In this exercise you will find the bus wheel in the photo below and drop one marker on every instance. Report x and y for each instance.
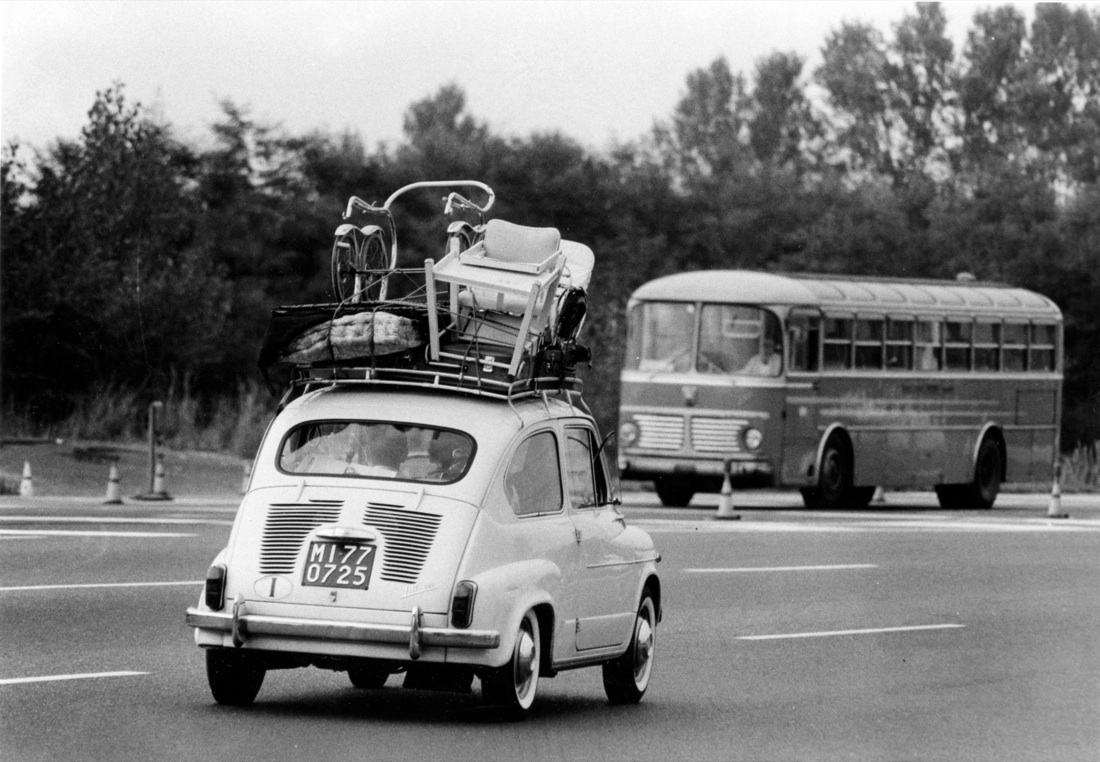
(987, 473)
(982, 492)
(860, 497)
(674, 493)
(834, 482)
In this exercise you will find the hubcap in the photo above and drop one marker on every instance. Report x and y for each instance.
(987, 469)
(644, 650)
(831, 476)
(525, 662)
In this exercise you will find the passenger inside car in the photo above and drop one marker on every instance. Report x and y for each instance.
(449, 453)
(384, 450)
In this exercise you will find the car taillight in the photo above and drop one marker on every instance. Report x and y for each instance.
(215, 587)
(462, 607)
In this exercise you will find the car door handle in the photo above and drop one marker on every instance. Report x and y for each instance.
(577, 533)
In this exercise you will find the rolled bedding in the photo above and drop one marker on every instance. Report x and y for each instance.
(362, 334)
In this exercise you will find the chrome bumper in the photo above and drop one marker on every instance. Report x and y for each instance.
(416, 636)
(649, 466)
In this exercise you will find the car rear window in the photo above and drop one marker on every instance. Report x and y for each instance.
(377, 450)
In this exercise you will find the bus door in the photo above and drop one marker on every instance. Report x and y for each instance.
(801, 408)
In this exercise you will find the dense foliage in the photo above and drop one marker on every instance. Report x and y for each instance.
(132, 260)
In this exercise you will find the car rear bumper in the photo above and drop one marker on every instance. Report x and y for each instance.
(414, 635)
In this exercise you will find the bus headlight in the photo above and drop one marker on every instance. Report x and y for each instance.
(752, 438)
(628, 433)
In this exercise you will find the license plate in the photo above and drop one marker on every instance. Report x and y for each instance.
(339, 564)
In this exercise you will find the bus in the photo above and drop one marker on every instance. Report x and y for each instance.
(837, 385)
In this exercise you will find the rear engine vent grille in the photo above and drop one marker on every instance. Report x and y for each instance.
(409, 536)
(287, 526)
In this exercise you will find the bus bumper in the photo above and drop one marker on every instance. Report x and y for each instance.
(651, 466)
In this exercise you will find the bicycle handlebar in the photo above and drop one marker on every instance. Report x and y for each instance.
(452, 200)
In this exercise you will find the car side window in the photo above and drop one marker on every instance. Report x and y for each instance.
(532, 482)
(585, 484)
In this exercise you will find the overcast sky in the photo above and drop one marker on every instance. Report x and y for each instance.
(598, 71)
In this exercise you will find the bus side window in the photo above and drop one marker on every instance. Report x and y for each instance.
(957, 335)
(899, 345)
(928, 345)
(838, 343)
(1014, 343)
(805, 331)
(987, 342)
(869, 334)
(1042, 348)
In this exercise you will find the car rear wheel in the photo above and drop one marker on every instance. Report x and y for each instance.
(235, 677)
(626, 678)
(513, 686)
(368, 677)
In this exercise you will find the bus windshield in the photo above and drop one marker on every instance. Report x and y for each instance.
(732, 339)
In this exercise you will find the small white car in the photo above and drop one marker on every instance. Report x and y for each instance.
(439, 534)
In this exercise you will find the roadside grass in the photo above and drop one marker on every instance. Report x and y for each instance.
(230, 423)
(1081, 468)
(207, 444)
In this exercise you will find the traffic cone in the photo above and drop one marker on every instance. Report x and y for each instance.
(1054, 511)
(725, 498)
(879, 498)
(114, 491)
(26, 486)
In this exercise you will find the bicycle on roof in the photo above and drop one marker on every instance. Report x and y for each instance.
(362, 263)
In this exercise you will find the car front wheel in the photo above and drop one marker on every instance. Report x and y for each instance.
(625, 679)
(513, 686)
(235, 678)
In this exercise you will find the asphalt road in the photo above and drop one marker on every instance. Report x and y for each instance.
(898, 632)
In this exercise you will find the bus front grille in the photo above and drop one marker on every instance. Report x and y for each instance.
(721, 435)
(660, 432)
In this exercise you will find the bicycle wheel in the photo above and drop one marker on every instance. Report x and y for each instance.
(360, 264)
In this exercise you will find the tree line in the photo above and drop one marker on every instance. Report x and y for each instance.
(132, 259)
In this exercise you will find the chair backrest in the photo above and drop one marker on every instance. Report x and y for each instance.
(579, 261)
(508, 242)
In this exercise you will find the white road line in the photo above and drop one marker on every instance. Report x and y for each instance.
(873, 631)
(49, 678)
(89, 533)
(109, 520)
(739, 569)
(86, 585)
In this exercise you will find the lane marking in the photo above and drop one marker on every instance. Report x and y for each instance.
(873, 631)
(88, 533)
(109, 520)
(739, 569)
(88, 585)
(653, 526)
(50, 678)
